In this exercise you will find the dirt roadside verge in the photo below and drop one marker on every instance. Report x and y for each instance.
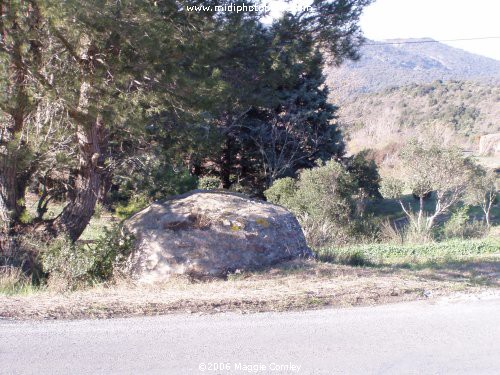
(298, 285)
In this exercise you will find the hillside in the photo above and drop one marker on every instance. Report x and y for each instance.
(455, 111)
(387, 65)
(405, 90)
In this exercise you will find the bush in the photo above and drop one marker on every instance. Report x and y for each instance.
(459, 226)
(416, 231)
(455, 226)
(135, 204)
(64, 260)
(391, 188)
(83, 264)
(390, 233)
(344, 256)
(325, 192)
(282, 192)
(323, 199)
(476, 229)
(111, 251)
(319, 233)
(99, 210)
(156, 181)
(21, 252)
(208, 183)
(242, 189)
(365, 172)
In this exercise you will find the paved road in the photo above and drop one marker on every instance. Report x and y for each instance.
(448, 337)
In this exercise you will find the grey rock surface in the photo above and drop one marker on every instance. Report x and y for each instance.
(211, 233)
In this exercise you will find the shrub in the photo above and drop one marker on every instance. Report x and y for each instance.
(111, 251)
(167, 181)
(390, 233)
(64, 260)
(344, 256)
(416, 230)
(157, 180)
(208, 183)
(323, 200)
(476, 229)
(282, 192)
(25, 217)
(325, 192)
(455, 226)
(135, 204)
(412, 232)
(83, 264)
(21, 252)
(99, 210)
(459, 226)
(319, 233)
(240, 188)
(391, 188)
(365, 172)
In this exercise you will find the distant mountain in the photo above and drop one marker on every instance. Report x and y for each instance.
(391, 65)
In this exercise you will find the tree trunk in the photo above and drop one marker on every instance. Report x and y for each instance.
(13, 182)
(77, 213)
(487, 212)
(420, 211)
(10, 198)
(225, 165)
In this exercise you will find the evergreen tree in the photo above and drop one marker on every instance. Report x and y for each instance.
(283, 121)
(102, 68)
(94, 92)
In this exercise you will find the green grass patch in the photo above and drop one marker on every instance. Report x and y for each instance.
(97, 227)
(380, 254)
(391, 208)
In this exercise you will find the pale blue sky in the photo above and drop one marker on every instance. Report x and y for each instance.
(437, 19)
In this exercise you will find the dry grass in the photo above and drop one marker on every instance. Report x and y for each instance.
(14, 282)
(295, 285)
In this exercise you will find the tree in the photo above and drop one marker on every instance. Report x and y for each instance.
(334, 27)
(119, 57)
(280, 120)
(20, 62)
(299, 130)
(483, 191)
(424, 169)
(94, 90)
(365, 173)
(104, 72)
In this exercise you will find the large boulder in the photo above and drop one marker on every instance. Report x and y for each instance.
(211, 233)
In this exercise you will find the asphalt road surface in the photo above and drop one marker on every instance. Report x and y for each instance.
(445, 337)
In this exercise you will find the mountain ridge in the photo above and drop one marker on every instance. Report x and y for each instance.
(387, 63)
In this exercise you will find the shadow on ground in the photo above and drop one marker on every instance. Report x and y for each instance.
(474, 271)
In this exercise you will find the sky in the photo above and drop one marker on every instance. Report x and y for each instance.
(436, 19)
